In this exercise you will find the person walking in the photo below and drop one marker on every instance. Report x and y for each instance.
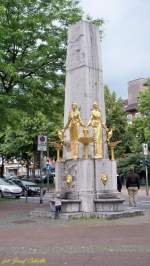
(119, 183)
(132, 185)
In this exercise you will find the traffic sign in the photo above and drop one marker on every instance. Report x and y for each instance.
(1, 161)
(42, 143)
(145, 149)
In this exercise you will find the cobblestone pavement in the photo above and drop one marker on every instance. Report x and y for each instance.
(92, 242)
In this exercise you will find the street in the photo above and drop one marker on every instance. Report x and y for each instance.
(25, 240)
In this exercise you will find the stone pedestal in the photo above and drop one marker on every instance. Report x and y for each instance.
(86, 185)
(68, 206)
(109, 205)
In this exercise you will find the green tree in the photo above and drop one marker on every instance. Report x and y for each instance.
(116, 119)
(144, 109)
(135, 136)
(33, 51)
(139, 131)
(21, 143)
(32, 64)
(33, 42)
(134, 160)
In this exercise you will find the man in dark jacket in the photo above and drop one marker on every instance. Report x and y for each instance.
(119, 183)
(132, 185)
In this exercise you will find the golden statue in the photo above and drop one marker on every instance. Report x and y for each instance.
(74, 123)
(60, 134)
(96, 123)
(109, 133)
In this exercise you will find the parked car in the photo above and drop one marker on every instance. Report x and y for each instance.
(9, 176)
(34, 179)
(28, 187)
(8, 189)
(22, 177)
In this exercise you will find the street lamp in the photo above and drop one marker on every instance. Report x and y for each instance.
(145, 151)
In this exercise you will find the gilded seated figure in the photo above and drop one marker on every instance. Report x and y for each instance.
(74, 123)
(96, 123)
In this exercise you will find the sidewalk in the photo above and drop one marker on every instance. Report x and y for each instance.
(83, 242)
(143, 201)
(141, 192)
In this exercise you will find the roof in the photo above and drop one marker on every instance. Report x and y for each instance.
(131, 107)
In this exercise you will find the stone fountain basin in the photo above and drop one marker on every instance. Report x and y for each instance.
(68, 205)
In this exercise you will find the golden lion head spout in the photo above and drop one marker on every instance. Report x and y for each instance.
(69, 179)
(104, 179)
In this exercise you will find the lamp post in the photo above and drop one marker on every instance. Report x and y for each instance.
(145, 151)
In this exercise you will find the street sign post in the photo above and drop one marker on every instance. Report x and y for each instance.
(42, 143)
(1, 161)
(145, 151)
(41, 146)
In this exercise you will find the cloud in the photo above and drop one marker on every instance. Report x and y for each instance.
(125, 45)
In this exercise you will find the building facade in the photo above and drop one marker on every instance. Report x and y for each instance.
(130, 104)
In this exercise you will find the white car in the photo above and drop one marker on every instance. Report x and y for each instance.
(8, 189)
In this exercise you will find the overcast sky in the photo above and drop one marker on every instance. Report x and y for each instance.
(126, 41)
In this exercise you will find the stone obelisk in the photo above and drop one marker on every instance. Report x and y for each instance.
(82, 178)
(84, 79)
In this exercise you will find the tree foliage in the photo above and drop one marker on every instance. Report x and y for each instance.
(135, 136)
(139, 131)
(132, 160)
(33, 42)
(116, 119)
(33, 37)
(32, 63)
(144, 109)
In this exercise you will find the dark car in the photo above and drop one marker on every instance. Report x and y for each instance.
(35, 179)
(28, 187)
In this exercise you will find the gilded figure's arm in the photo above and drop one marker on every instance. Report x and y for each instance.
(81, 122)
(68, 123)
(60, 134)
(90, 121)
